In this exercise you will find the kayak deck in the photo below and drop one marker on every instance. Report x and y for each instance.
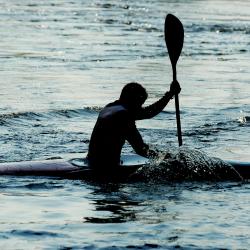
(46, 167)
(72, 168)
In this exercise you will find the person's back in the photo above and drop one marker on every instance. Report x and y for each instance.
(108, 136)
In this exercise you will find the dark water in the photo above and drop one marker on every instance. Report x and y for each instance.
(61, 61)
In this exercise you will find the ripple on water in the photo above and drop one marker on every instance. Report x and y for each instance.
(33, 233)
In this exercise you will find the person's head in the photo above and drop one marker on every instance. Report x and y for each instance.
(133, 95)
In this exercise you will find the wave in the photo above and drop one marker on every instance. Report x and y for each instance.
(219, 28)
(33, 233)
(40, 115)
(208, 129)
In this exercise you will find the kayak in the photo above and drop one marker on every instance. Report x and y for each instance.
(79, 167)
(73, 168)
(243, 168)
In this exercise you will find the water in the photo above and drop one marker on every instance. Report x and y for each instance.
(61, 61)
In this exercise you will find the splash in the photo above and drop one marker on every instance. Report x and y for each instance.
(185, 164)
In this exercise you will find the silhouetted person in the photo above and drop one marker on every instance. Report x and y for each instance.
(116, 124)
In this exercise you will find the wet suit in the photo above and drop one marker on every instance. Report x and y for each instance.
(115, 125)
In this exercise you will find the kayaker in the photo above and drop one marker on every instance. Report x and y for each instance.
(116, 124)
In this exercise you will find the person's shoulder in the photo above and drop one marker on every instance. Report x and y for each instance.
(114, 110)
(115, 103)
(117, 107)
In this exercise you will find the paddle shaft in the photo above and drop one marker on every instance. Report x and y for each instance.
(177, 108)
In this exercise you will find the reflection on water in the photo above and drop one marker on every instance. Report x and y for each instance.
(161, 215)
(73, 214)
(120, 209)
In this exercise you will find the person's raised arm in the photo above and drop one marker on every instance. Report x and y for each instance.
(155, 108)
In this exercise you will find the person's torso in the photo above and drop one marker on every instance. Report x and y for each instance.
(109, 135)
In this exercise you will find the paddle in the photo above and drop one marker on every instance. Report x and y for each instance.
(174, 37)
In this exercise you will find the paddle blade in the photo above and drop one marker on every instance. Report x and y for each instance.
(174, 37)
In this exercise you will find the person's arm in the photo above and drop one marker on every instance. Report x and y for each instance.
(135, 140)
(155, 108)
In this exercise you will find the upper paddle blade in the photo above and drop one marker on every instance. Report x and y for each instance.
(174, 37)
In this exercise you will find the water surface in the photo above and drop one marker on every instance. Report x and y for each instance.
(61, 61)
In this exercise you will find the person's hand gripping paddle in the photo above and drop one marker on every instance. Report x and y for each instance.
(174, 37)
